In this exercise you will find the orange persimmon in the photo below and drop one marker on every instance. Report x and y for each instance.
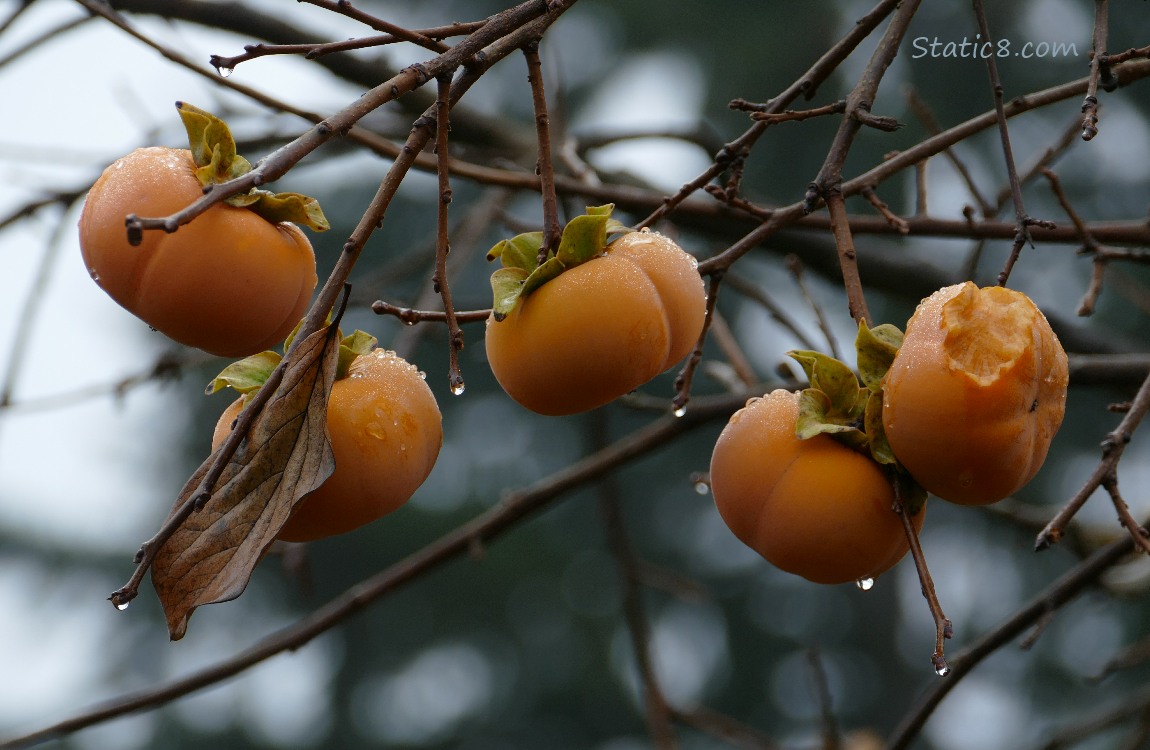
(975, 394)
(230, 282)
(814, 507)
(600, 328)
(385, 430)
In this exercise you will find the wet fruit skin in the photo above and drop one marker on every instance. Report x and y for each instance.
(814, 507)
(600, 329)
(229, 282)
(386, 432)
(975, 394)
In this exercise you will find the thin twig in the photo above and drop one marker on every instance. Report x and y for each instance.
(798, 273)
(1112, 448)
(443, 241)
(1058, 593)
(1136, 530)
(687, 374)
(412, 316)
(1024, 220)
(507, 514)
(657, 712)
(1097, 61)
(805, 85)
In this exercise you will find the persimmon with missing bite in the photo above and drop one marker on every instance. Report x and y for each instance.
(814, 507)
(600, 328)
(385, 430)
(975, 394)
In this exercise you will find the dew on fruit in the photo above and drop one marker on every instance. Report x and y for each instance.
(422, 375)
(865, 584)
(375, 430)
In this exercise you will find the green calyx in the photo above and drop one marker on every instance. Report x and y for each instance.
(849, 407)
(214, 154)
(250, 373)
(584, 238)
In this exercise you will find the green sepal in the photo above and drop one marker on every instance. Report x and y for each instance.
(876, 348)
(246, 375)
(277, 207)
(521, 251)
(876, 434)
(583, 238)
(506, 285)
(212, 146)
(214, 155)
(834, 379)
(352, 347)
(817, 417)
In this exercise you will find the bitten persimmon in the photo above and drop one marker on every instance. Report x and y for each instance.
(975, 394)
(814, 507)
(230, 282)
(600, 328)
(386, 431)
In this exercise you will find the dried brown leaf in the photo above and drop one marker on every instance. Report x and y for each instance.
(211, 555)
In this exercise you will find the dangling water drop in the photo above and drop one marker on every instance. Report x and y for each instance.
(224, 71)
(942, 670)
(122, 605)
(865, 584)
(680, 411)
(457, 388)
(702, 487)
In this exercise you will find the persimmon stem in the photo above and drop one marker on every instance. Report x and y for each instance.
(546, 166)
(942, 625)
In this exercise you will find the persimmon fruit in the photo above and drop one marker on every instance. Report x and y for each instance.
(601, 328)
(975, 394)
(385, 430)
(814, 507)
(229, 282)
(234, 280)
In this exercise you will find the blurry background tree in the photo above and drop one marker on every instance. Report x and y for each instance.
(567, 583)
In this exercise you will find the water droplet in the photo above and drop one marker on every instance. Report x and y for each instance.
(457, 388)
(409, 321)
(702, 487)
(865, 584)
(224, 71)
(122, 605)
(680, 411)
(422, 375)
(375, 430)
(941, 669)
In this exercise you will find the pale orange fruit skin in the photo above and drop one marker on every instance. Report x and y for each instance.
(229, 282)
(600, 329)
(386, 431)
(814, 507)
(967, 441)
